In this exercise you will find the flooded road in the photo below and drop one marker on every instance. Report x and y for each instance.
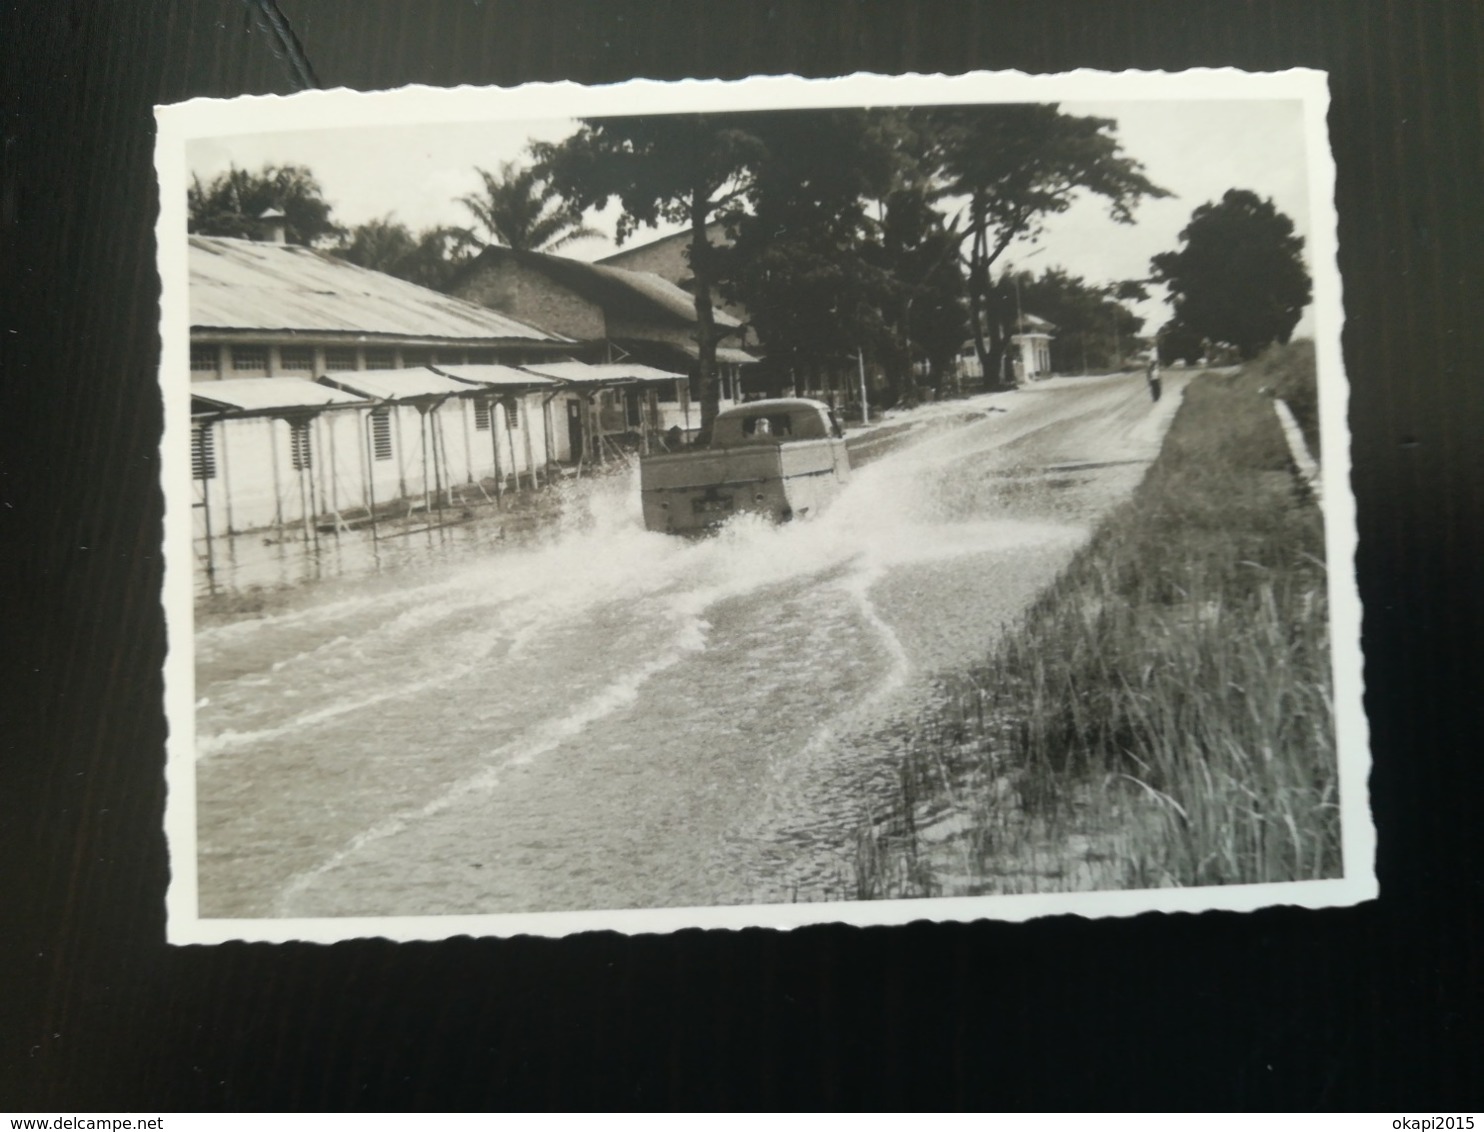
(611, 718)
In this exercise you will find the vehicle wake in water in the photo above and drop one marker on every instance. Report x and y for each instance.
(614, 718)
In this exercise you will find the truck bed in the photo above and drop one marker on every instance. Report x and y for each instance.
(688, 491)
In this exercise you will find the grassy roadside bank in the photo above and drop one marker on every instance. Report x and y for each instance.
(1162, 714)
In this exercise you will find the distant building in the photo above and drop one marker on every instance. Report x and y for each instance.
(325, 394)
(263, 309)
(1034, 345)
(1029, 353)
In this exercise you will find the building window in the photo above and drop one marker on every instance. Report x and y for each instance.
(250, 359)
(339, 359)
(301, 453)
(203, 452)
(411, 359)
(203, 358)
(482, 415)
(481, 357)
(512, 413)
(667, 394)
(299, 359)
(381, 359)
(381, 434)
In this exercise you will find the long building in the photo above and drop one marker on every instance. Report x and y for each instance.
(326, 395)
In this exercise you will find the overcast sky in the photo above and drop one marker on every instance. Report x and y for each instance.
(1196, 149)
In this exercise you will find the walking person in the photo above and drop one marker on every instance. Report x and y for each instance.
(1151, 375)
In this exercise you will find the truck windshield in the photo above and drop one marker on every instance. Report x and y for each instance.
(776, 424)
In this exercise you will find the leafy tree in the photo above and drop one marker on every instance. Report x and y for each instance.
(519, 209)
(806, 258)
(841, 248)
(918, 247)
(921, 248)
(689, 169)
(430, 258)
(1239, 276)
(1016, 165)
(1177, 342)
(232, 203)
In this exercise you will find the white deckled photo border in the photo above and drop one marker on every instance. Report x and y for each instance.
(181, 124)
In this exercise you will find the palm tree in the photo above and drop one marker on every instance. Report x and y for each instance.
(431, 258)
(232, 204)
(519, 209)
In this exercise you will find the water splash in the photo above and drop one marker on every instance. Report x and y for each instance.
(528, 657)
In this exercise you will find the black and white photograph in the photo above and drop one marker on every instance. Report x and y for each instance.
(756, 504)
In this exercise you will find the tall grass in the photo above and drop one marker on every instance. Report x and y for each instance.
(1162, 715)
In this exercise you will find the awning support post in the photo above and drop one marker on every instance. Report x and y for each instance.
(206, 515)
(492, 406)
(277, 480)
(510, 443)
(371, 475)
(530, 451)
(548, 434)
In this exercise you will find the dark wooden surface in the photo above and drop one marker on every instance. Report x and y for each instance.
(1377, 1006)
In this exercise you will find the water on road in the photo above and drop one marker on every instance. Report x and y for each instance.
(610, 718)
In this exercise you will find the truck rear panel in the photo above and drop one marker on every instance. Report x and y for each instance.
(691, 491)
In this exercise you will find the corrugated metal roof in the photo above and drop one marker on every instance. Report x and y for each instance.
(266, 394)
(660, 291)
(728, 354)
(495, 375)
(396, 384)
(582, 373)
(247, 285)
(638, 294)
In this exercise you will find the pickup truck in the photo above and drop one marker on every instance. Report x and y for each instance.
(784, 459)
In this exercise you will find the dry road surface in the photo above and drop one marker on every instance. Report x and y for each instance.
(617, 719)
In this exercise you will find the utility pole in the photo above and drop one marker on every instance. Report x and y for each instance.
(860, 359)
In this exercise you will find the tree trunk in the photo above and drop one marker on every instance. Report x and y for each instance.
(903, 353)
(700, 266)
(978, 293)
(998, 343)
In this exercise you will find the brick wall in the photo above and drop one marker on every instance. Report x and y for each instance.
(669, 258)
(531, 297)
(666, 257)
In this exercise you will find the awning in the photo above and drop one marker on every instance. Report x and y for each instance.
(608, 373)
(505, 377)
(265, 396)
(728, 354)
(414, 384)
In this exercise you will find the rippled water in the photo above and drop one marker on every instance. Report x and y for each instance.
(614, 718)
